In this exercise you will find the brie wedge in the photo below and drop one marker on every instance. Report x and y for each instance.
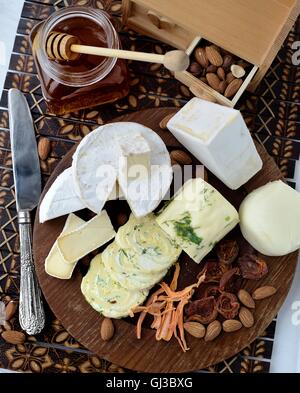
(219, 138)
(61, 198)
(55, 264)
(106, 295)
(87, 238)
(197, 218)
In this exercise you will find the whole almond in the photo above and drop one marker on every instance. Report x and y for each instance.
(263, 292)
(44, 147)
(213, 330)
(195, 329)
(246, 299)
(227, 61)
(10, 310)
(211, 68)
(107, 329)
(181, 157)
(246, 317)
(233, 87)
(214, 56)
(213, 80)
(163, 123)
(237, 71)
(201, 57)
(195, 69)
(222, 86)
(231, 325)
(229, 77)
(122, 218)
(221, 73)
(13, 337)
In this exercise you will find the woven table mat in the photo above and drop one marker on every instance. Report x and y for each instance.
(272, 115)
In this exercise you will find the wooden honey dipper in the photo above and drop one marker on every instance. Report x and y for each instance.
(61, 46)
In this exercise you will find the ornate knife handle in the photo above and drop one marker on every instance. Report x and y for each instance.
(31, 310)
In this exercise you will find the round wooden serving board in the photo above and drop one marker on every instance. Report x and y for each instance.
(148, 355)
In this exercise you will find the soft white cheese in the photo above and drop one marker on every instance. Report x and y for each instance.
(55, 264)
(197, 218)
(61, 198)
(270, 219)
(87, 238)
(219, 138)
(135, 153)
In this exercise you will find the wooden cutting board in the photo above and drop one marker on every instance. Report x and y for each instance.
(148, 355)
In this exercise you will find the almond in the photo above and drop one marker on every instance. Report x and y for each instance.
(213, 330)
(222, 86)
(107, 329)
(237, 71)
(213, 80)
(221, 73)
(233, 87)
(246, 299)
(195, 329)
(44, 147)
(181, 157)
(227, 61)
(122, 218)
(229, 77)
(195, 68)
(214, 56)
(263, 292)
(231, 325)
(201, 57)
(13, 337)
(211, 68)
(10, 310)
(163, 123)
(246, 317)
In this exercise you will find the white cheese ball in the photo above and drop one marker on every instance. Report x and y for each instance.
(270, 219)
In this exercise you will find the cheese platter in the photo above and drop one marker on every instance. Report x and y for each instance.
(166, 262)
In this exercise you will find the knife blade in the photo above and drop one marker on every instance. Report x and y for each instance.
(27, 181)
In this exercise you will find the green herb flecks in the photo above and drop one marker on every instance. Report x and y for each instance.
(184, 229)
(227, 218)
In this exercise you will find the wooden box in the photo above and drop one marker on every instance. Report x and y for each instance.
(251, 30)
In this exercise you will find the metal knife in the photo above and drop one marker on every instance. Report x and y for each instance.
(27, 179)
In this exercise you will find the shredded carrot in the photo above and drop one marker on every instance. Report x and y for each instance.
(167, 316)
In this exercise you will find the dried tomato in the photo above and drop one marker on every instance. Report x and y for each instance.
(227, 278)
(227, 251)
(214, 271)
(228, 305)
(252, 267)
(212, 290)
(205, 309)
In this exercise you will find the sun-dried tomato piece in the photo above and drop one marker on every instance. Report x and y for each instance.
(214, 270)
(246, 248)
(228, 305)
(212, 290)
(227, 251)
(227, 278)
(252, 267)
(205, 309)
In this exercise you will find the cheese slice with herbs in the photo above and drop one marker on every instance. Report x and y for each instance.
(55, 264)
(106, 295)
(197, 218)
(87, 238)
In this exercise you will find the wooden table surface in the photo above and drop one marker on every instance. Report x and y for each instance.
(272, 114)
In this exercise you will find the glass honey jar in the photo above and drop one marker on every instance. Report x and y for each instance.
(88, 81)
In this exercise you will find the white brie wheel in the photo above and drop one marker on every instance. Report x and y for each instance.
(96, 168)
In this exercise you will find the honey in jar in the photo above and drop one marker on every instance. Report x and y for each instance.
(88, 81)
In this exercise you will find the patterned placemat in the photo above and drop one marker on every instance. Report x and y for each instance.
(272, 114)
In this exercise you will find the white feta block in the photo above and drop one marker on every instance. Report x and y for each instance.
(219, 138)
